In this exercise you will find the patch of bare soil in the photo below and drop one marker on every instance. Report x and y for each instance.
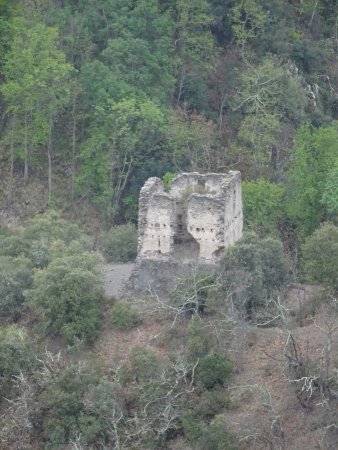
(114, 345)
(267, 413)
(114, 278)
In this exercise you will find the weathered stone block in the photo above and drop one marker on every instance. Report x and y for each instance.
(199, 217)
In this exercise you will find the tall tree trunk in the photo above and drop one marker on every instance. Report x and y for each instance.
(313, 13)
(49, 155)
(12, 161)
(181, 86)
(122, 178)
(25, 171)
(220, 114)
(73, 146)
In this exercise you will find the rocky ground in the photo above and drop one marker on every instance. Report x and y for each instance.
(115, 277)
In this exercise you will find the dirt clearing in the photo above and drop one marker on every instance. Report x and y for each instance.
(114, 278)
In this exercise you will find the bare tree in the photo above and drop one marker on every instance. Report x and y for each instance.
(188, 297)
(311, 378)
(268, 428)
(160, 404)
(327, 322)
(15, 421)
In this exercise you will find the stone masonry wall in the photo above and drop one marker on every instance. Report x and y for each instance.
(200, 211)
(156, 220)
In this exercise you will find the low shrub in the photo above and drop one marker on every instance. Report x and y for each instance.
(167, 179)
(198, 340)
(68, 295)
(213, 369)
(193, 426)
(211, 402)
(320, 252)
(35, 239)
(254, 269)
(124, 316)
(15, 277)
(63, 398)
(207, 436)
(16, 356)
(144, 364)
(120, 244)
(218, 437)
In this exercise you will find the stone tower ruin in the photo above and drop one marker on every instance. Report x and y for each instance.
(199, 216)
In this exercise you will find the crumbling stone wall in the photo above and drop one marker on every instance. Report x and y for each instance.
(156, 220)
(199, 217)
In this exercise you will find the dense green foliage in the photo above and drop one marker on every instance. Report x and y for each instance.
(213, 369)
(262, 201)
(321, 256)
(124, 316)
(16, 355)
(65, 288)
(15, 277)
(310, 176)
(254, 269)
(62, 407)
(67, 296)
(41, 237)
(120, 244)
(213, 436)
(106, 94)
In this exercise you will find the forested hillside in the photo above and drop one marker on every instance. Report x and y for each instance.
(96, 96)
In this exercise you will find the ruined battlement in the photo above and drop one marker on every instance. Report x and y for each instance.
(195, 220)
